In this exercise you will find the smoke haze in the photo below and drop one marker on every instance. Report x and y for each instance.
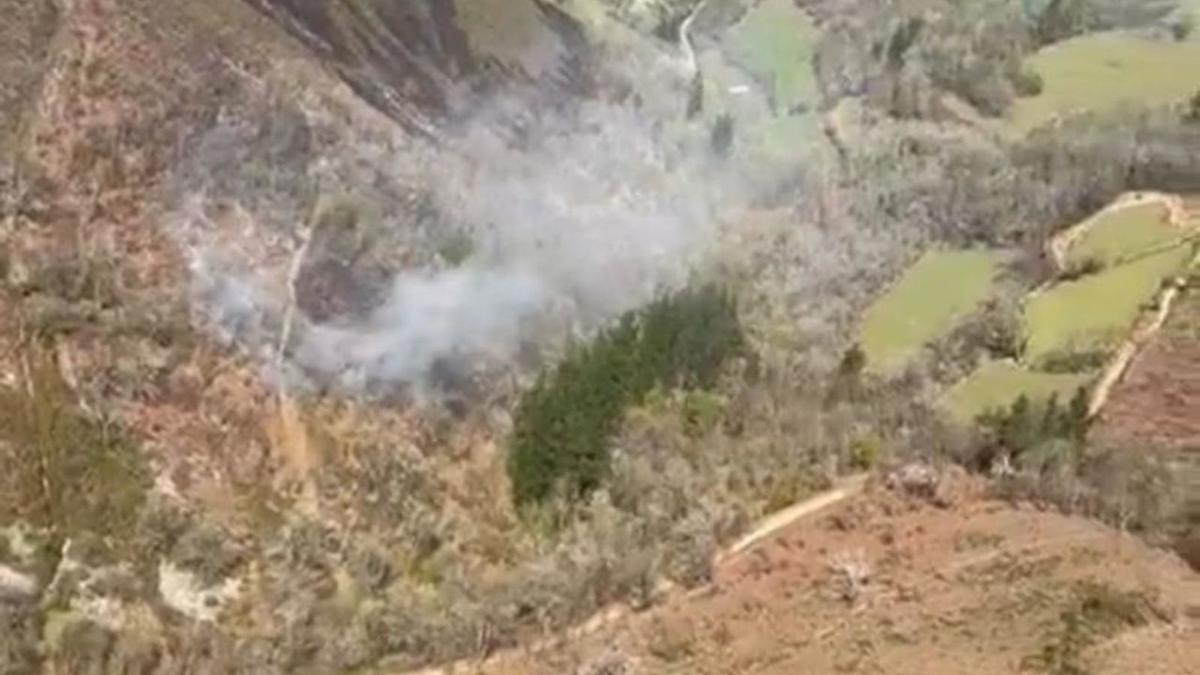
(576, 212)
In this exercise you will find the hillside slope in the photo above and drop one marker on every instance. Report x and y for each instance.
(276, 274)
(900, 584)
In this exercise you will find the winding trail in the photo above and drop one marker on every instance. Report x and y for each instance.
(1132, 345)
(846, 488)
(288, 432)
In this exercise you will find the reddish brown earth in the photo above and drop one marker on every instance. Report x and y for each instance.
(976, 586)
(1158, 400)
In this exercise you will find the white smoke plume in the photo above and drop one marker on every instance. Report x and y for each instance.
(576, 212)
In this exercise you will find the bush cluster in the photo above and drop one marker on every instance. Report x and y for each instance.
(1077, 269)
(1095, 613)
(564, 422)
(1072, 361)
(1063, 19)
(1024, 428)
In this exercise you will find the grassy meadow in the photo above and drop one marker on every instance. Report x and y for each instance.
(774, 41)
(1103, 71)
(1095, 312)
(1125, 233)
(942, 287)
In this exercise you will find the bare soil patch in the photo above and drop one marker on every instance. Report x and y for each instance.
(886, 582)
(1158, 400)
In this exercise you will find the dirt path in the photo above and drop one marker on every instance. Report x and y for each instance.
(846, 488)
(287, 431)
(1060, 243)
(1130, 347)
(968, 586)
(1147, 326)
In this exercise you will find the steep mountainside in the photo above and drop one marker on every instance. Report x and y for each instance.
(282, 280)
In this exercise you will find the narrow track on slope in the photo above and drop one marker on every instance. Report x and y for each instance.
(845, 489)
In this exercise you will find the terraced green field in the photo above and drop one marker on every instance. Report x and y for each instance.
(1096, 311)
(998, 384)
(942, 287)
(1124, 233)
(775, 41)
(1102, 71)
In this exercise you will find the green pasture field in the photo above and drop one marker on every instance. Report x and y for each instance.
(1124, 233)
(938, 290)
(1102, 71)
(1096, 311)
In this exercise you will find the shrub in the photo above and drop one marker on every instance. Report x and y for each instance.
(208, 553)
(564, 422)
(456, 247)
(993, 331)
(65, 469)
(721, 139)
(1028, 82)
(18, 637)
(1065, 18)
(1192, 115)
(695, 104)
(1069, 361)
(902, 39)
(852, 362)
(1023, 428)
(1081, 268)
(702, 411)
(1095, 613)
(672, 644)
(1183, 28)
(865, 452)
(851, 574)
(79, 276)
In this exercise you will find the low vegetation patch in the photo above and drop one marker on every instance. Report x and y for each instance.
(1095, 612)
(1071, 361)
(1032, 434)
(564, 423)
(64, 469)
(941, 288)
(1078, 268)
(998, 384)
(776, 41)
